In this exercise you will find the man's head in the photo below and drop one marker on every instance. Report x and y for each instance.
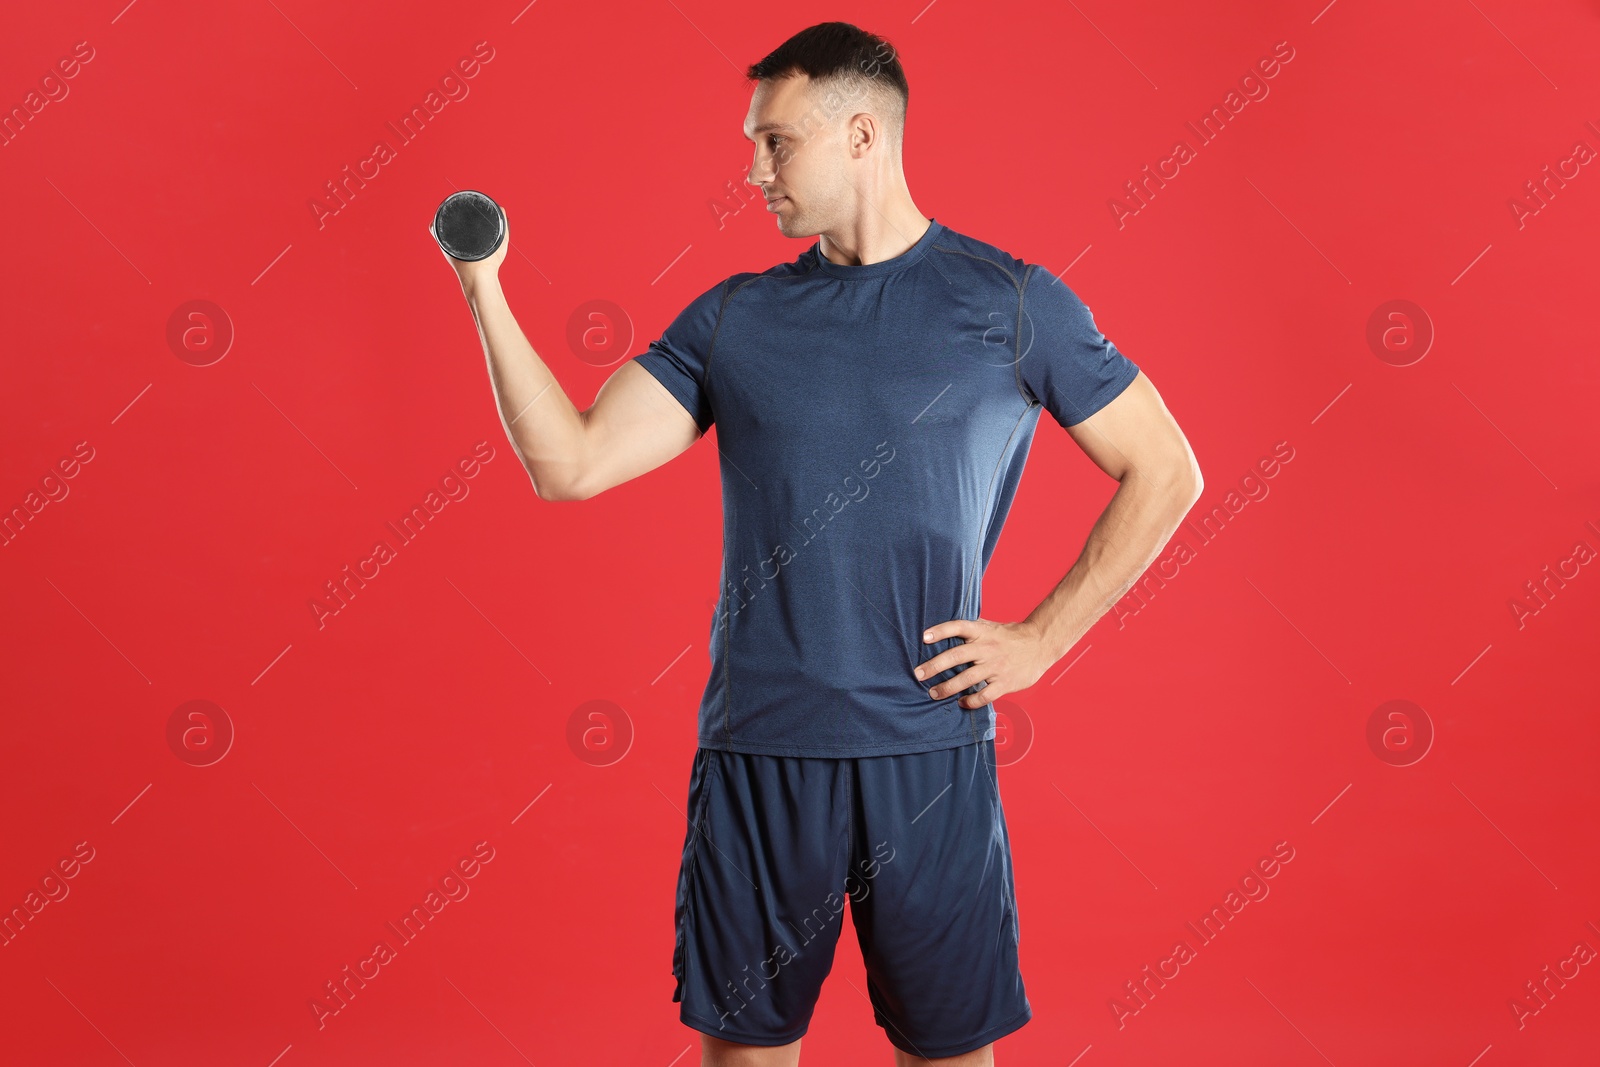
(828, 121)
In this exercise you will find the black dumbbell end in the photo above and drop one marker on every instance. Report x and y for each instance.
(469, 226)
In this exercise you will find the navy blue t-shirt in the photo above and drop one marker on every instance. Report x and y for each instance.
(873, 422)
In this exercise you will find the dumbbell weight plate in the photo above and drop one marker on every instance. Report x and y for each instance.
(469, 226)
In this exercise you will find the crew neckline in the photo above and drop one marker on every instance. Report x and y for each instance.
(883, 266)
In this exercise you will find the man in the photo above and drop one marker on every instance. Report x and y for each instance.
(875, 400)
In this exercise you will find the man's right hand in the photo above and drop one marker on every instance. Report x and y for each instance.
(634, 425)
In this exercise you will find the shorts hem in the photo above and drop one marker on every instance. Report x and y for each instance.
(694, 1022)
(994, 1033)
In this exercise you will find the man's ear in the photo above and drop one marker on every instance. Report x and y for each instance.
(864, 132)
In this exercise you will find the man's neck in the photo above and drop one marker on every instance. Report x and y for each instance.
(875, 237)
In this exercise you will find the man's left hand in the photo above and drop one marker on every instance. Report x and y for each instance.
(1009, 656)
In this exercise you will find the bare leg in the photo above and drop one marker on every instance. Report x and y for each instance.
(715, 1052)
(978, 1057)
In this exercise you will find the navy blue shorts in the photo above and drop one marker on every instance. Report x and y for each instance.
(917, 843)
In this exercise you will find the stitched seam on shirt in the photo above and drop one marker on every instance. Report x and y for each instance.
(705, 382)
(1022, 288)
(727, 628)
(988, 499)
(1016, 371)
(981, 259)
(1016, 364)
(727, 681)
(711, 352)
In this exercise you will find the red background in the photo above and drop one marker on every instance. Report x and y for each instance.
(372, 752)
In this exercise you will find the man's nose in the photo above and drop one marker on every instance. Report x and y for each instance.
(761, 170)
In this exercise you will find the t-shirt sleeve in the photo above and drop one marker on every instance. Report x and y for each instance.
(1068, 365)
(680, 357)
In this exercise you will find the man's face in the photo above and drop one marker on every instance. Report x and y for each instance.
(800, 156)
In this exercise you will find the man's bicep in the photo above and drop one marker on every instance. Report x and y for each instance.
(1136, 432)
(634, 426)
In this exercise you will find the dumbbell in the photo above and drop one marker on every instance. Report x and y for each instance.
(468, 226)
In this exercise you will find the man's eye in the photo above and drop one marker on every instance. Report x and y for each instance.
(773, 141)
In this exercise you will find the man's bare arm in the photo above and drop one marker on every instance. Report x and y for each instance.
(1135, 440)
(633, 426)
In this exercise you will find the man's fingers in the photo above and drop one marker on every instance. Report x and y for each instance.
(950, 657)
(971, 676)
(952, 628)
(987, 695)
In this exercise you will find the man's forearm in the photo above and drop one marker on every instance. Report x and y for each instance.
(544, 427)
(1135, 526)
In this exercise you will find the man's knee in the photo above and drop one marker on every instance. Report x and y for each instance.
(715, 1052)
(978, 1057)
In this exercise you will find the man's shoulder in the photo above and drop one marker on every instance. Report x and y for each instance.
(987, 262)
(798, 267)
(1042, 284)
